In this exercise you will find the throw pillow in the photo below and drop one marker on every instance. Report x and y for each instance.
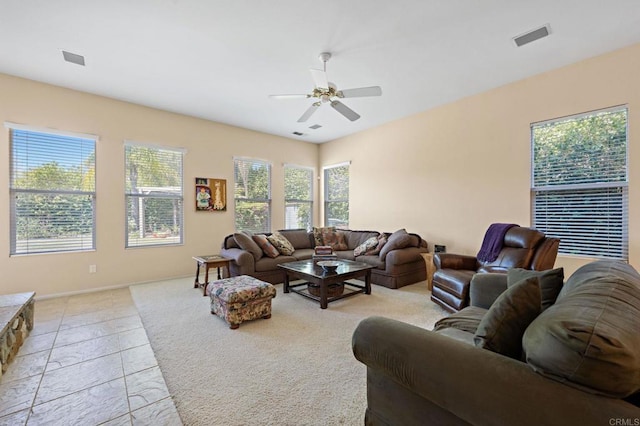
(281, 243)
(550, 282)
(334, 239)
(266, 246)
(317, 234)
(503, 326)
(245, 242)
(589, 338)
(369, 244)
(397, 240)
(382, 240)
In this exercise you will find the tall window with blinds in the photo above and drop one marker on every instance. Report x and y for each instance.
(52, 187)
(154, 195)
(252, 195)
(580, 183)
(298, 197)
(336, 196)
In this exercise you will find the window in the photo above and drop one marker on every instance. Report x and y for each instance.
(52, 191)
(298, 197)
(252, 195)
(579, 189)
(153, 180)
(336, 196)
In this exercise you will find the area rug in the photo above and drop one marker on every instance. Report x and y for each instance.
(296, 368)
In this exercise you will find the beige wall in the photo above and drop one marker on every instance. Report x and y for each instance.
(210, 149)
(446, 173)
(449, 172)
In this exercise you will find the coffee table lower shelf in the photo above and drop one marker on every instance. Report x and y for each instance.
(309, 272)
(350, 289)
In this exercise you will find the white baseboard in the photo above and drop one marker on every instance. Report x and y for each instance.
(95, 290)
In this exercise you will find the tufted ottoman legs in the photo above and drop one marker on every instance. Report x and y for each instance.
(240, 299)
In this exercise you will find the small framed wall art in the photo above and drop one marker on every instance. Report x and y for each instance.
(211, 195)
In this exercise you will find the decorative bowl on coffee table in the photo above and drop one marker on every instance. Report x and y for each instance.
(329, 265)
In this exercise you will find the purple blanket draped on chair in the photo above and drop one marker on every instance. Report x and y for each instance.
(492, 243)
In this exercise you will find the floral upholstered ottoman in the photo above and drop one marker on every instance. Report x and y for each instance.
(242, 298)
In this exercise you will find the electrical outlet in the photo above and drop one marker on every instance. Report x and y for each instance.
(92, 269)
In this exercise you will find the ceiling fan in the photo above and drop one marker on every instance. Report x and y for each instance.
(327, 92)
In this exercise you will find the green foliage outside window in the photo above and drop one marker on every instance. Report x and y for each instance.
(252, 193)
(579, 189)
(298, 195)
(336, 205)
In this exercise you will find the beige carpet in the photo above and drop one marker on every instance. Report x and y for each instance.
(296, 368)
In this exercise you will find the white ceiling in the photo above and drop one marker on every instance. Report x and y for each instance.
(219, 60)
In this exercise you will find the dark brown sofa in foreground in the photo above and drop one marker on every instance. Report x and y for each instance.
(523, 248)
(578, 362)
(397, 268)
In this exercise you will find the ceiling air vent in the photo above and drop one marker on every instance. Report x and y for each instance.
(315, 126)
(73, 58)
(298, 134)
(533, 35)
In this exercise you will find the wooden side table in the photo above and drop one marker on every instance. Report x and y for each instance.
(431, 268)
(209, 261)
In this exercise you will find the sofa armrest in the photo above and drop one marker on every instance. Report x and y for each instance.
(242, 258)
(404, 255)
(476, 385)
(485, 289)
(455, 261)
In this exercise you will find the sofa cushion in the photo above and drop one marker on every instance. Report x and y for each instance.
(299, 238)
(303, 254)
(550, 282)
(369, 244)
(267, 248)
(334, 239)
(356, 238)
(467, 320)
(397, 240)
(373, 260)
(382, 240)
(589, 338)
(501, 329)
(281, 243)
(244, 240)
(268, 264)
(317, 234)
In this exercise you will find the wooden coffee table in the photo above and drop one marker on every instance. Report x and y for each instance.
(209, 261)
(314, 274)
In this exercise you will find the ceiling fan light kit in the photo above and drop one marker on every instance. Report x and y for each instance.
(327, 92)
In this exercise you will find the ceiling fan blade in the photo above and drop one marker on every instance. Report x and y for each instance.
(345, 110)
(289, 96)
(320, 78)
(360, 92)
(309, 112)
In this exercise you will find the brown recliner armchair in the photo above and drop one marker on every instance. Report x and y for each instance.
(522, 248)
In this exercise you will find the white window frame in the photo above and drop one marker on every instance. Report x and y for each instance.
(174, 192)
(309, 201)
(328, 201)
(597, 224)
(34, 245)
(243, 199)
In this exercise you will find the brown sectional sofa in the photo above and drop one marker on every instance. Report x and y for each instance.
(401, 267)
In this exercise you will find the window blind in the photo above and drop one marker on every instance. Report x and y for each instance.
(252, 195)
(154, 195)
(579, 189)
(52, 187)
(298, 194)
(336, 196)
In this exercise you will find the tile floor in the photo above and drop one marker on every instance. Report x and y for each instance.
(86, 362)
